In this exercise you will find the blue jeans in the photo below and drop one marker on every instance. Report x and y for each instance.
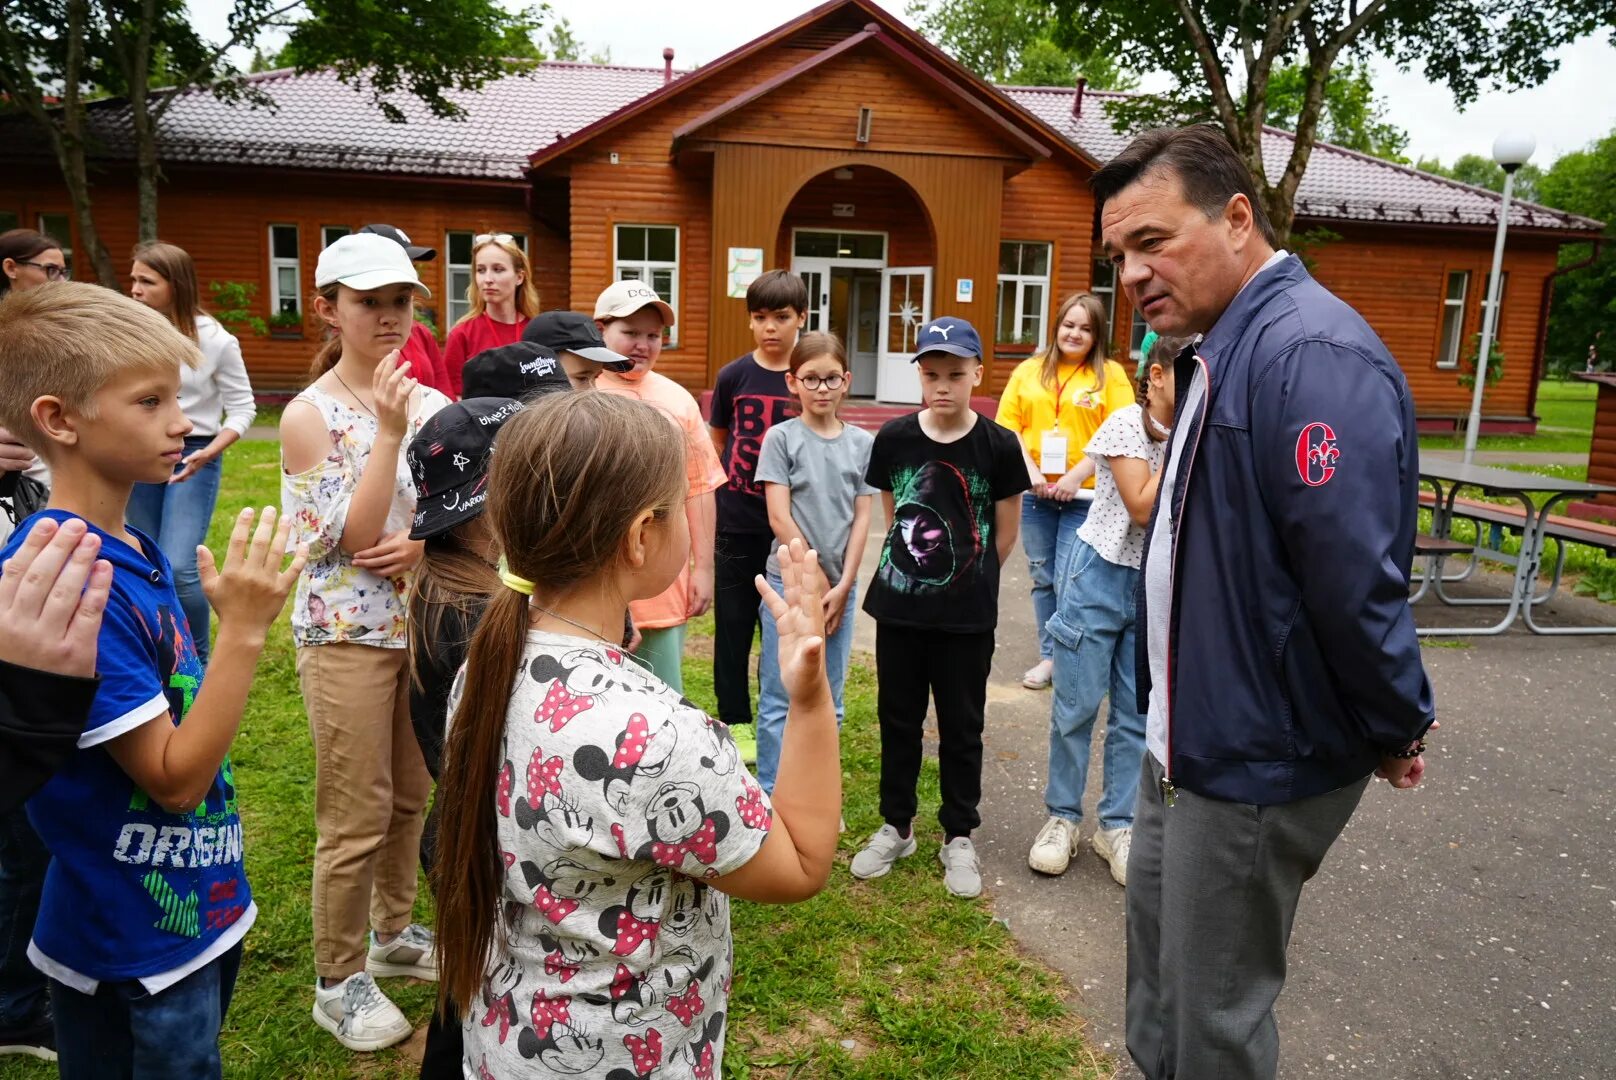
(177, 517)
(1048, 529)
(23, 860)
(772, 700)
(1093, 630)
(124, 1033)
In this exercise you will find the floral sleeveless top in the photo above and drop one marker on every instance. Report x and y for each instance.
(337, 601)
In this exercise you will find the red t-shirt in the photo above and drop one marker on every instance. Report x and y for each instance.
(471, 337)
(426, 362)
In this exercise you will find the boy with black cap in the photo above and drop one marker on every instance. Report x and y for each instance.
(575, 341)
(521, 370)
(952, 484)
(421, 349)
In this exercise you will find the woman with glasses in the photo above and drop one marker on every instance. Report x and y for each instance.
(176, 514)
(502, 298)
(29, 258)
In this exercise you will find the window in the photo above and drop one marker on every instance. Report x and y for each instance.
(650, 253)
(1481, 305)
(1453, 306)
(1103, 283)
(9, 220)
(59, 227)
(1136, 336)
(285, 274)
(1023, 293)
(330, 234)
(841, 246)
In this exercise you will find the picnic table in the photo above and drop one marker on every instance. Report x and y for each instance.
(1536, 525)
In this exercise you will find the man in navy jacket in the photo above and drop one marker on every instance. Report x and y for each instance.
(1278, 659)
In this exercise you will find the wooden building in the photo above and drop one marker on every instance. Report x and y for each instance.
(842, 145)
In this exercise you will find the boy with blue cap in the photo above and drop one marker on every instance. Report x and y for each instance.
(951, 482)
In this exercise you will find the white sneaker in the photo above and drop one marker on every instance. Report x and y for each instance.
(885, 848)
(1113, 845)
(414, 952)
(1039, 676)
(961, 875)
(359, 1014)
(1054, 846)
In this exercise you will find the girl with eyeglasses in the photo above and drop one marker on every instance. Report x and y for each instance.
(812, 471)
(502, 298)
(29, 258)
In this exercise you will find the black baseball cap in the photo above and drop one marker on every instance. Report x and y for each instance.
(521, 370)
(402, 239)
(574, 332)
(449, 459)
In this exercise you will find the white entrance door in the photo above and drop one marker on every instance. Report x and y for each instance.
(815, 273)
(905, 308)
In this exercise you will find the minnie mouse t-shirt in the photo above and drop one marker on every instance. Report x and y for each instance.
(617, 798)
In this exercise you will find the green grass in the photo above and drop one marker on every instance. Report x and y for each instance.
(1566, 405)
(1566, 423)
(923, 984)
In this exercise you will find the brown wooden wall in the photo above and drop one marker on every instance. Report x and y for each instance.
(881, 203)
(222, 218)
(1602, 455)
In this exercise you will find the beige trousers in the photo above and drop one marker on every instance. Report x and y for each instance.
(370, 788)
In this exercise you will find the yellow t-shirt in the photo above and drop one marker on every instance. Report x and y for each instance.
(1074, 406)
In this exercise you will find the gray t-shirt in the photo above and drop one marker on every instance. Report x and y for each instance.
(824, 476)
(1159, 577)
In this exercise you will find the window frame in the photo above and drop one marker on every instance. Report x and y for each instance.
(64, 236)
(842, 260)
(1447, 357)
(1107, 293)
(1020, 282)
(326, 239)
(1481, 304)
(278, 263)
(646, 268)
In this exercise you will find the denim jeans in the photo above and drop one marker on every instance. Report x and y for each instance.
(23, 860)
(772, 700)
(177, 517)
(1048, 529)
(1093, 630)
(124, 1033)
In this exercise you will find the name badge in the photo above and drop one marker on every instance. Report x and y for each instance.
(1052, 453)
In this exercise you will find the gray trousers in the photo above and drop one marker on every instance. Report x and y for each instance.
(1212, 893)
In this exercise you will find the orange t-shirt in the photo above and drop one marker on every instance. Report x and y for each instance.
(702, 468)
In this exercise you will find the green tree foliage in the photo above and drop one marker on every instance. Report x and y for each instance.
(1354, 115)
(1584, 311)
(1223, 56)
(1007, 41)
(1484, 172)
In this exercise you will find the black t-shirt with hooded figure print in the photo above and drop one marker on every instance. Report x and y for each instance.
(939, 565)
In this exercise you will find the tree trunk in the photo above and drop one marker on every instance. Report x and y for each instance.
(138, 69)
(70, 148)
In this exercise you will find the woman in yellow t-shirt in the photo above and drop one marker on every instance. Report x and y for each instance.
(1055, 401)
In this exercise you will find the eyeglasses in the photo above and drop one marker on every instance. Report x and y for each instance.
(51, 271)
(493, 238)
(829, 382)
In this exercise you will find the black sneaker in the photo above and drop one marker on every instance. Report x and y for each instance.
(37, 1040)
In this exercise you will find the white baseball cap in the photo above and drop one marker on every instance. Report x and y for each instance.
(366, 261)
(624, 298)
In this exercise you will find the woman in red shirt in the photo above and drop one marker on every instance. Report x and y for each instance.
(502, 297)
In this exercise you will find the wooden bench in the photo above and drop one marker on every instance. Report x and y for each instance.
(1425, 544)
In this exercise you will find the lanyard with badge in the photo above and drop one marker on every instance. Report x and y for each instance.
(1052, 446)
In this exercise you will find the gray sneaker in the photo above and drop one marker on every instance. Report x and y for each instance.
(359, 1014)
(960, 873)
(885, 848)
(413, 952)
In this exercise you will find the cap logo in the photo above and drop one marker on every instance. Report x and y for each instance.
(542, 365)
(940, 329)
(404, 236)
(640, 292)
(460, 461)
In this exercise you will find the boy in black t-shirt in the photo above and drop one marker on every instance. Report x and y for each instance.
(952, 484)
(749, 397)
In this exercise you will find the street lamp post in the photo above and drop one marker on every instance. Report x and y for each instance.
(1510, 150)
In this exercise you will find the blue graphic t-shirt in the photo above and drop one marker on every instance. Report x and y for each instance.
(133, 891)
(939, 567)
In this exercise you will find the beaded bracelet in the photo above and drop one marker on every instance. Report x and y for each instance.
(1412, 751)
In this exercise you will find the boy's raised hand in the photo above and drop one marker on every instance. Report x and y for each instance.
(799, 618)
(49, 617)
(391, 386)
(251, 588)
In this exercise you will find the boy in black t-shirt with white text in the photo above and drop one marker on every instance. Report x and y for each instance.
(952, 484)
(749, 397)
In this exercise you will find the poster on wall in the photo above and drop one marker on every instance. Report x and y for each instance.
(745, 264)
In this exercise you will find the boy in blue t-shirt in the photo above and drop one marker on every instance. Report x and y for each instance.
(145, 902)
(749, 397)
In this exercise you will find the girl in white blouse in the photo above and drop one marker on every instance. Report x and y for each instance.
(1093, 628)
(176, 514)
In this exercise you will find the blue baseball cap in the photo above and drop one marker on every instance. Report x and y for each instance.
(948, 334)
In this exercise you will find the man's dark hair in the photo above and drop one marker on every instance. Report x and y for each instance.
(1202, 159)
(775, 290)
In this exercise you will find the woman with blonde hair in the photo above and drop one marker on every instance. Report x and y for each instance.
(502, 296)
(1055, 401)
(177, 514)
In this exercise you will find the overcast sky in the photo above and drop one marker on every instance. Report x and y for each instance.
(1572, 109)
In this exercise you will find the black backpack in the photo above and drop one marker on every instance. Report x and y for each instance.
(21, 496)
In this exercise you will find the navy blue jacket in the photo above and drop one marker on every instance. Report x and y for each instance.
(1292, 663)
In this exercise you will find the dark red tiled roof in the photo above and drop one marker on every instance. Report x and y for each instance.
(318, 122)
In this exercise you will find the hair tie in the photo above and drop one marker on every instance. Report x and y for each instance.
(514, 582)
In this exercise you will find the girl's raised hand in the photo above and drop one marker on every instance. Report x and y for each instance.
(799, 618)
(250, 589)
(391, 386)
